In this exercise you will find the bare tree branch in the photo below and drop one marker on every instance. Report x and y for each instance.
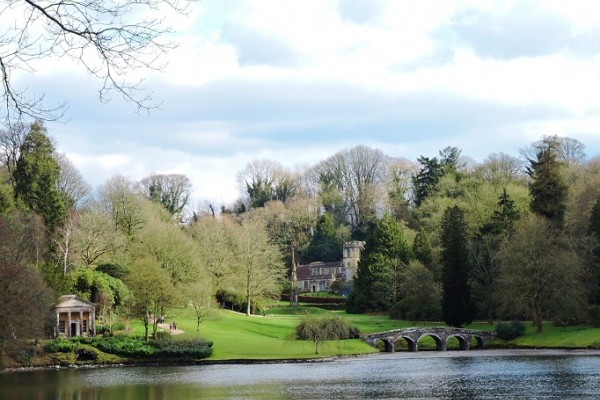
(109, 38)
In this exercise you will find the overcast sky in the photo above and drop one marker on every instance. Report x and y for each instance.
(296, 81)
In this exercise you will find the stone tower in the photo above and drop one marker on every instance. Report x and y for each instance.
(351, 255)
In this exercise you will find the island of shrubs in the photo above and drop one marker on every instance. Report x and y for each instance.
(134, 347)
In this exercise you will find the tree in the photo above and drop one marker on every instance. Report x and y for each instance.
(108, 40)
(199, 296)
(326, 244)
(420, 294)
(152, 291)
(355, 174)
(457, 307)
(258, 262)
(594, 231)
(172, 191)
(425, 182)
(11, 140)
(36, 177)
(422, 250)
(266, 180)
(500, 169)
(385, 255)
(25, 303)
(73, 189)
(540, 273)
(97, 240)
(548, 189)
(119, 200)
(568, 150)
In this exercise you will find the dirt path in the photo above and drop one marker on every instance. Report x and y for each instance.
(173, 331)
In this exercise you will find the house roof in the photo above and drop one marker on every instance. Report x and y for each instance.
(70, 301)
(303, 271)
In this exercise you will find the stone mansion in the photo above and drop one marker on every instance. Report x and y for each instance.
(318, 276)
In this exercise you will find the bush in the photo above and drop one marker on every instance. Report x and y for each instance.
(181, 348)
(320, 328)
(510, 330)
(128, 346)
(60, 346)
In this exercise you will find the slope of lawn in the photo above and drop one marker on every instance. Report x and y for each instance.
(237, 336)
(240, 337)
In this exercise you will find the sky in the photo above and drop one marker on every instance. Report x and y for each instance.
(296, 81)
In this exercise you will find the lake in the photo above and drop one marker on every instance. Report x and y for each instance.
(483, 374)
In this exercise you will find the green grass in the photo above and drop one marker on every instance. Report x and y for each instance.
(240, 337)
(237, 336)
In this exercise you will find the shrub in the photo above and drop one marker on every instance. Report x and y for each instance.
(510, 330)
(181, 348)
(60, 346)
(128, 346)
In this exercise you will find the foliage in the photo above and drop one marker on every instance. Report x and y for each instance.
(326, 243)
(548, 189)
(510, 330)
(187, 349)
(541, 274)
(422, 250)
(36, 176)
(385, 255)
(426, 181)
(258, 264)
(457, 308)
(152, 292)
(60, 345)
(420, 295)
(25, 303)
(320, 328)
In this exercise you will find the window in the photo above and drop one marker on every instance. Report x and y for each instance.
(61, 326)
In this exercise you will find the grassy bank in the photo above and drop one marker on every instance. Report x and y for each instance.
(239, 337)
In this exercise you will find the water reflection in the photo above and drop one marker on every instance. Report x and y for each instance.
(451, 376)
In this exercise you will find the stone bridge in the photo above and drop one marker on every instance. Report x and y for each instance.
(439, 334)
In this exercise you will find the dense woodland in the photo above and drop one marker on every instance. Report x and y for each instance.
(447, 238)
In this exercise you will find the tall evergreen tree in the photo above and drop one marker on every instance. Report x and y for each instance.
(385, 255)
(36, 176)
(594, 231)
(426, 181)
(548, 188)
(457, 308)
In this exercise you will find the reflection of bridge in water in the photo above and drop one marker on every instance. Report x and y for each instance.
(439, 334)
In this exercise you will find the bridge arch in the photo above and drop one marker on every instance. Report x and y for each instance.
(387, 345)
(463, 342)
(480, 342)
(410, 342)
(440, 344)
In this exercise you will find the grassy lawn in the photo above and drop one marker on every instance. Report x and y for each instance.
(238, 337)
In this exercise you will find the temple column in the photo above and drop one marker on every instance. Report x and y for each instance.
(80, 322)
(68, 327)
(57, 333)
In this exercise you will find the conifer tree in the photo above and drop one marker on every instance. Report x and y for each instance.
(385, 255)
(548, 189)
(457, 307)
(36, 176)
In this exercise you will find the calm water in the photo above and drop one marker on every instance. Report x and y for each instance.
(451, 375)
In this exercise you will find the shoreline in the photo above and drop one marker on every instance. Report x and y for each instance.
(539, 352)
